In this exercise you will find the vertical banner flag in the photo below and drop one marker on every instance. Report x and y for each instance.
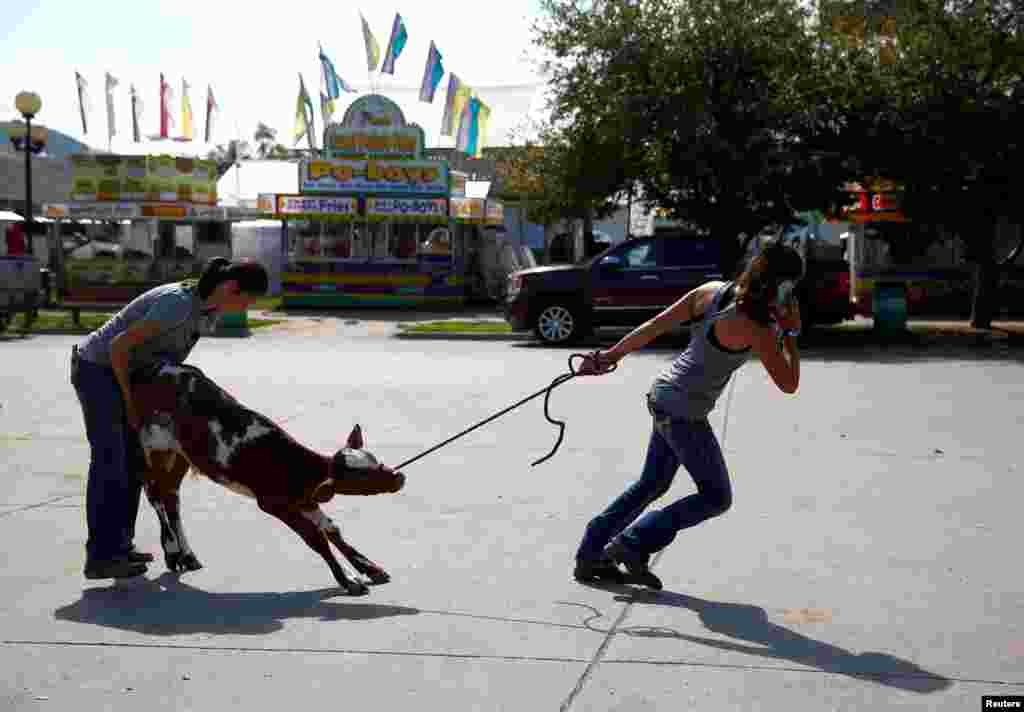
(372, 48)
(211, 107)
(303, 115)
(465, 120)
(186, 113)
(395, 45)
(111, 123)
(166, 99)
(460, 105)
(432, 74)
(136, 115)
(330, 87)
(479, 135)
(448, 120)
(83, 100)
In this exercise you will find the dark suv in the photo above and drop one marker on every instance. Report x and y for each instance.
(625, 285)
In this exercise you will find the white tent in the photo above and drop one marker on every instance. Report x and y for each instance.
(260, 240)
(246, 180)
(8, 216)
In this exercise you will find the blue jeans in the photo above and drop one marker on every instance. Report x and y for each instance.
(114, 487)
(691, 443)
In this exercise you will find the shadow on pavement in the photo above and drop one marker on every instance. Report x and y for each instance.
(750, 624)
(166, 606)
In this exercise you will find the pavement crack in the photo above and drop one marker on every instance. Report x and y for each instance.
(37, 505)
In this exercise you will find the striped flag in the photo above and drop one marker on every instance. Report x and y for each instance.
(83, 100)
(460, 106)
(211, 107)
(186, 113)
(472, 127)
(111, 122)
(481, 115)
(303, 115)
(136, 114)
(466, 119)
(372, 48)
(166, 98)
(432, 74)
(448, 120)
(395, 45)
(331, 86)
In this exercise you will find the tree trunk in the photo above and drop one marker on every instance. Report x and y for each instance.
(986, 278)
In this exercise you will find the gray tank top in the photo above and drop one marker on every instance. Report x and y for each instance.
(692, 384)
(172, 345)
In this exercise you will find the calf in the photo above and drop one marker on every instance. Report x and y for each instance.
(189, 422)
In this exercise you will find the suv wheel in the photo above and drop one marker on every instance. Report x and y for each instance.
(559, 323)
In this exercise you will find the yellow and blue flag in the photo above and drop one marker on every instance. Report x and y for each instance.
(303, 115)
(372, 48)
(333, 84)
(432, 74)
(395, 45)
(448, 120)
(474, 118)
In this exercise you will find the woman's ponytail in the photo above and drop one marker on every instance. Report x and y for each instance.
(212, 276)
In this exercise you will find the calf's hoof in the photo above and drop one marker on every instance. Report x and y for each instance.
(182, 563)
(355, 588)
(377, 576)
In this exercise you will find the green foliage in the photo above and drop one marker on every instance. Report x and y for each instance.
(710, 107)
(266, 148)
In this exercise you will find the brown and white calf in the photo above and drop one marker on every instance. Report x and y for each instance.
(189, 422)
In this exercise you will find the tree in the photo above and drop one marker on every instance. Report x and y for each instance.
(713, 102)
(229, 155)
(940, 116)
(267, 148)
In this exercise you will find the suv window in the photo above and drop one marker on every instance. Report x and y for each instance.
(641, 255)
(690, 252)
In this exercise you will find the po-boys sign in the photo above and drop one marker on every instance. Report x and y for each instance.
(353, 176)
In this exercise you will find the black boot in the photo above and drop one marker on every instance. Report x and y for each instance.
(118, 568)
(634, 563)
(598, 571)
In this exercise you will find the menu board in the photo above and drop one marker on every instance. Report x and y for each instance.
(105, 177)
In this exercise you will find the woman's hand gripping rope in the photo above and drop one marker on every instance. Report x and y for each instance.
(593, 364)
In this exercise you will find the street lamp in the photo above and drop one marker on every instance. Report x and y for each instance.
(28, 104)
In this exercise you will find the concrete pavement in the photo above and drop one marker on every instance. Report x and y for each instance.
(871, 559)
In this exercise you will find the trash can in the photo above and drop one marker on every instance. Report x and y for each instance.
(233, 324)
(890, 307)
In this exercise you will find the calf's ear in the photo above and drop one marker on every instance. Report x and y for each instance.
(355, 438)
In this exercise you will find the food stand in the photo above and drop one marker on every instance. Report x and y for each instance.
(132, 223)
(375, 223)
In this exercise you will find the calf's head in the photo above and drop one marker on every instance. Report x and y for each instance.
(356, 471)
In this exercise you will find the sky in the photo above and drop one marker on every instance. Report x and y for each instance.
(252, 53)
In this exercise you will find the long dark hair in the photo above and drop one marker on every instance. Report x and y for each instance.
(757, 286)
(251, 277)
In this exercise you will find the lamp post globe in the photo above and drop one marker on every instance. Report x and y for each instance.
(28, 103)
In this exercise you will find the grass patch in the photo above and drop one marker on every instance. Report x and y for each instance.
(260, 323)
(60, 321)
(458, 326)
(267, 304)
